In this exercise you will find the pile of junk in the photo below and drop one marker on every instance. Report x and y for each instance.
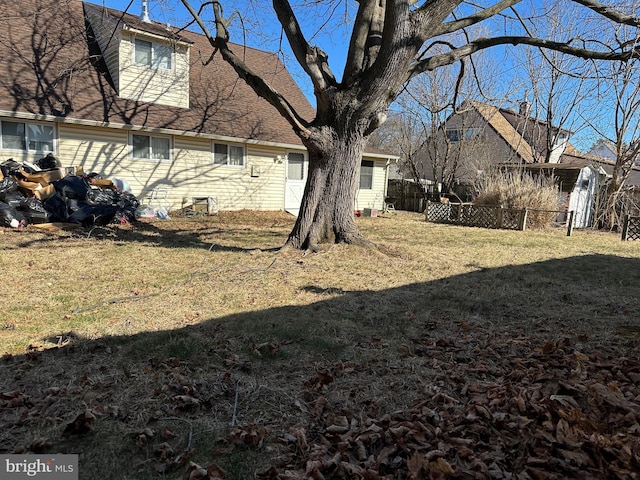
(43, 192)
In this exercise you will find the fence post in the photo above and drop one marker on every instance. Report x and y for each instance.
(625, 228)
(522, 225)
(499, 217)
(570, 223)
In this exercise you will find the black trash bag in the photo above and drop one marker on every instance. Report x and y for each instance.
(125, 216)
(57, 208)
(11, 217)
(128, 205)
(7, 185)
(73, 187)
(103, 196)
(10, 167)
(128, 200)
(34, 210)
(73, 205)
(88, 215)
(14, 199)
(47, 163)
(33, 204)
(121, 218)
(61, 208)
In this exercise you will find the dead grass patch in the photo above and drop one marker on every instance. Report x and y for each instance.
(197, 340)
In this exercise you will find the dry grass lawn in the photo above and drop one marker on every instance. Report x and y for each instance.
(154, 348)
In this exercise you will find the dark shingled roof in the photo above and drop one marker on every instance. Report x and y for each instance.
(50, 65)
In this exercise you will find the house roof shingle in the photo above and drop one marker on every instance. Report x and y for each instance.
(50, 66)
(525, 135)
(493, 116)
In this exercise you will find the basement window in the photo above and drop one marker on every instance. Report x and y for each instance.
(366, 175)
(147, 147)
(32, 137)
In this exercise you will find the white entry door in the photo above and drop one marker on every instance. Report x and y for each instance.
(297, 167)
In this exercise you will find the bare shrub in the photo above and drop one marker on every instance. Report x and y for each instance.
(520, 190)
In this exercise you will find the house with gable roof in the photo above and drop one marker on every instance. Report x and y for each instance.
(150, 105)
(603, 149)
(479, 137)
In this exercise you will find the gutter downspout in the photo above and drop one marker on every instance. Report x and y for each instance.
(386, 179)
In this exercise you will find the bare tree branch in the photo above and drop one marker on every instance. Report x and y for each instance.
(357, 44)
(482, 15)
(610, 13)
(312, 59)
(453, 56)
(257, 83)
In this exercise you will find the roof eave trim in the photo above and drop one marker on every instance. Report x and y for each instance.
(137, 128)
(168, 131)
(168, 38)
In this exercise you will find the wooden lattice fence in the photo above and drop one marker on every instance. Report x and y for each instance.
(476, 216)
(631, 228)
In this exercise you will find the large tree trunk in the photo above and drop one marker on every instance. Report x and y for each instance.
(613, 215)
(327, 210)
(611, 220)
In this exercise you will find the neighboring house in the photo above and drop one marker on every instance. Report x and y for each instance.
(151, 105)
(479, 137)
(606, 151)
(603, 149)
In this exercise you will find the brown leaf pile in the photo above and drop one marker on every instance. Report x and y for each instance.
(497, 409)
(489, 406)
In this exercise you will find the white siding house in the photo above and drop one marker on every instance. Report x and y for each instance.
(140, 102)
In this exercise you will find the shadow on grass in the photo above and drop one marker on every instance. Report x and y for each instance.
(164, 234)
(268, 367)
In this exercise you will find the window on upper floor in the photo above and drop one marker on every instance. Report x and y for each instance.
(148, 147)
(224, 154)
(462, 134)
(152, 54)
(366, 175)
(453, 134)
(26, 136)
(561, 138)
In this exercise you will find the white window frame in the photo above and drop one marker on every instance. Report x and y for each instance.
(150, 147)
(370, 165)
(26, 139)
(228, 146)
(154, 61)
